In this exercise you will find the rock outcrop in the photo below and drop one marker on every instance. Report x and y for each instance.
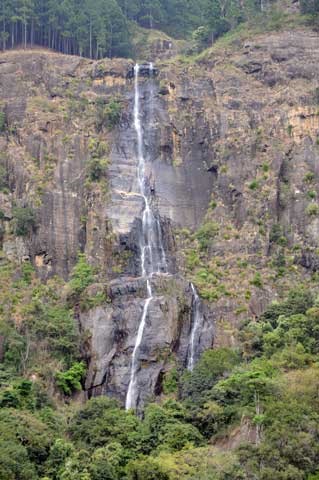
(114, 329)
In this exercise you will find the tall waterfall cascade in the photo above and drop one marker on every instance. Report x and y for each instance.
(197, 323)
(152, 252)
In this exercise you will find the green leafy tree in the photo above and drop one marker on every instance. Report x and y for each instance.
(25, 220)
(146, 468)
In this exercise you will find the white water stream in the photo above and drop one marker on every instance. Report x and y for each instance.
(152, 252)
(197, 323)
(153, 257)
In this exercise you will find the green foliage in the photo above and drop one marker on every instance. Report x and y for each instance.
(27, 272)
(170, 382)
(60, 452)
(309, 177)
(176, 436)
(23, 435)
(101, 468)
(113, 113)
(101, 421)
(55, 325)
(24, 220)
(311, 194)
(243, 386)
(192, 259)
(97, 169)
(312, 209)
(108, 113)
(146, 468)
(2, 121)
(206, 233)
(299, 301)
(93, 29)
(276, 233)
(69, 381)
(19, 395)
(257, 281)
(254, 185)
(82, 276)
(212, 365)
(14, 462)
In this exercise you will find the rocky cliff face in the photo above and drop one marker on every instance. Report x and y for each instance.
(231, 146)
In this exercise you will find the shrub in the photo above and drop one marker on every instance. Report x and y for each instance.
(309, 177)
(27, 272)
(113, 113)
(69, 381)
(254, 185)
(3, 179)
(2, 121)
(25, 220)
(275, 233)
(108, 114)
(55, 325)
(206, 233)
(170, 382)
(256, 281)
(96, 169)
(312, 194)
(192, 259)
(312, 209)
(82, 275)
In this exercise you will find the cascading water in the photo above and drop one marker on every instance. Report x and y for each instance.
(152, 252)
(197, 323)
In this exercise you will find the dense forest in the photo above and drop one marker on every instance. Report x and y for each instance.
(99, 28)
(269, 385)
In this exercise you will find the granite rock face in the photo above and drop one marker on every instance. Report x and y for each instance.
(231, 139)
(114, 329)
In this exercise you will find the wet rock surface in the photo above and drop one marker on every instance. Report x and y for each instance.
(113, 330)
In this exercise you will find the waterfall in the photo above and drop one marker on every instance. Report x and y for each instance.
(197, 323)
(152, 252)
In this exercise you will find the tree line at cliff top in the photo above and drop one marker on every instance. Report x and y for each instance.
(99, 28)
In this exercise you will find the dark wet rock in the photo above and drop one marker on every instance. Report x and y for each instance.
(113, 330)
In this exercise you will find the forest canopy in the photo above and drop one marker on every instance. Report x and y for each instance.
(100, 28)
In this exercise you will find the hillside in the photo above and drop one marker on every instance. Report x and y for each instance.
(182, 195)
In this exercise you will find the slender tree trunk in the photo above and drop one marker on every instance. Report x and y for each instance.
(91, 52)
(3, 27)
(111, 42)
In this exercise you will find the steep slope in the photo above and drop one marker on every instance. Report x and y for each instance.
(232, 164)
